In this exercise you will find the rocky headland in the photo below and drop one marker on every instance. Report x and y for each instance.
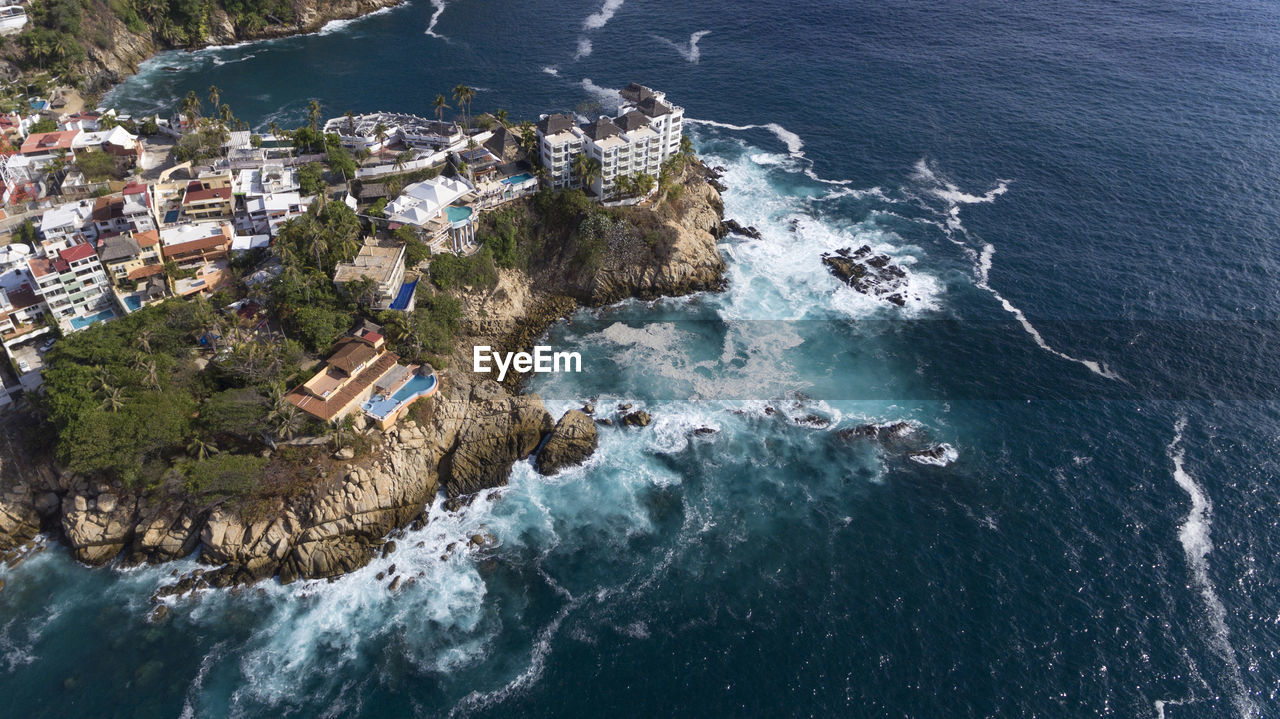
(464, 440)
(113, 50)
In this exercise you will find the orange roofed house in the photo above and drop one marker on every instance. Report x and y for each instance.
(347, 378)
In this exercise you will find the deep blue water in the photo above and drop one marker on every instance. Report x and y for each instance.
(1085, 197)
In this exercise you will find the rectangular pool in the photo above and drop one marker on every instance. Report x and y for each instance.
(82, 322)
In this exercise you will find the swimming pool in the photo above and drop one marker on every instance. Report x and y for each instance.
(82, 322)
(518, 179)
(380, 407)
(401, 301)
(414, 387)
(132, 302)
(457, 214)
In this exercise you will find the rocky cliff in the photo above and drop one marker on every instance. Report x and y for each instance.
(463, 440)
(115, 50)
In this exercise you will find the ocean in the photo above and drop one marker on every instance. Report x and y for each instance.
(1083, 198)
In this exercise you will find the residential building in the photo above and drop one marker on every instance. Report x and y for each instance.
(199, 250)
(129, 212)
(208, 199)
(74, 286)
(559, 141)
(132, 257)
(66, 225)
(383, 263)
(266, 213)
(42, 147)
(347, 378)
(20, 310)
(378, 130)
(427, 205)
(646, 133)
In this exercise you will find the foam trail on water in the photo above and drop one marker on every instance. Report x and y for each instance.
(335, 25)
(551, 70)
(955, 198)
(1196, 544)
(689, 51)
(792, 141)
(439, 6)
(983, 270)
(584, 48)
(600, 18)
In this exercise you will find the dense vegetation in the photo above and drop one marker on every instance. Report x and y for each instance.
(134, 400)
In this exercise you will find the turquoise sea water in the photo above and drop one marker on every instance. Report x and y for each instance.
(1083, 197)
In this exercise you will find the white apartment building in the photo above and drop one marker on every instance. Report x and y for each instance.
(73, 285)
(637, 141)
(67, 225)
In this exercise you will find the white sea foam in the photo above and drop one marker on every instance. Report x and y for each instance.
(439, 6)
(1196, 545)
(983, 270)
(949, 455)
(792, 141)
(608, 97)
(689, 50)
(584, 48)
(338, 25)
(551, 70)
(601, 17)
(941, 188)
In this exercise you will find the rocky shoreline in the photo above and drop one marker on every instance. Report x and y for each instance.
(466, 441)
(109, 63)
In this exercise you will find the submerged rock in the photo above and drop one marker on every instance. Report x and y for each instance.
(571, 442)
(874, 275)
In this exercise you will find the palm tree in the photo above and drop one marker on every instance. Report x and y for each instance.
(463, 95)
(191, 109)
(528, 137)
(113, 400)
(402, 158)
(351, 124)
(644, 184)
(380, 133)
(440, 107)
(144, 341)
(214, 96)
(274, 128)
(396, 325)
(227, 118)
(313, 115)
(501, 116)
(624, 185)
(587, 169)
(151, 373)
(286, 422)
(201, 448)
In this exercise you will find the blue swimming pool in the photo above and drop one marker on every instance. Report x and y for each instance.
(414, 387)
(82, 322)
(133, 302)
(380, 407)
(457, 214)
(518, 179)
(401, 302)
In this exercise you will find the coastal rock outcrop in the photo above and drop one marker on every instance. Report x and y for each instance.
(97, 522)
(573, 440)
(871, 274)
(500, 429)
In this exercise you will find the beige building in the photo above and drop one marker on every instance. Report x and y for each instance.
(381, 262)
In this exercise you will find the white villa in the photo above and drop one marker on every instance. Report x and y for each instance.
(645, 133)
(360, 132)
(426, 205)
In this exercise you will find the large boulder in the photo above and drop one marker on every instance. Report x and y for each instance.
(325, 558)
(98, 523)
(571, 442)
(499, 430)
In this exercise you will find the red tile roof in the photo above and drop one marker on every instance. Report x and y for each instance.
(219, 193)
(81, 251)
(47, 141)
